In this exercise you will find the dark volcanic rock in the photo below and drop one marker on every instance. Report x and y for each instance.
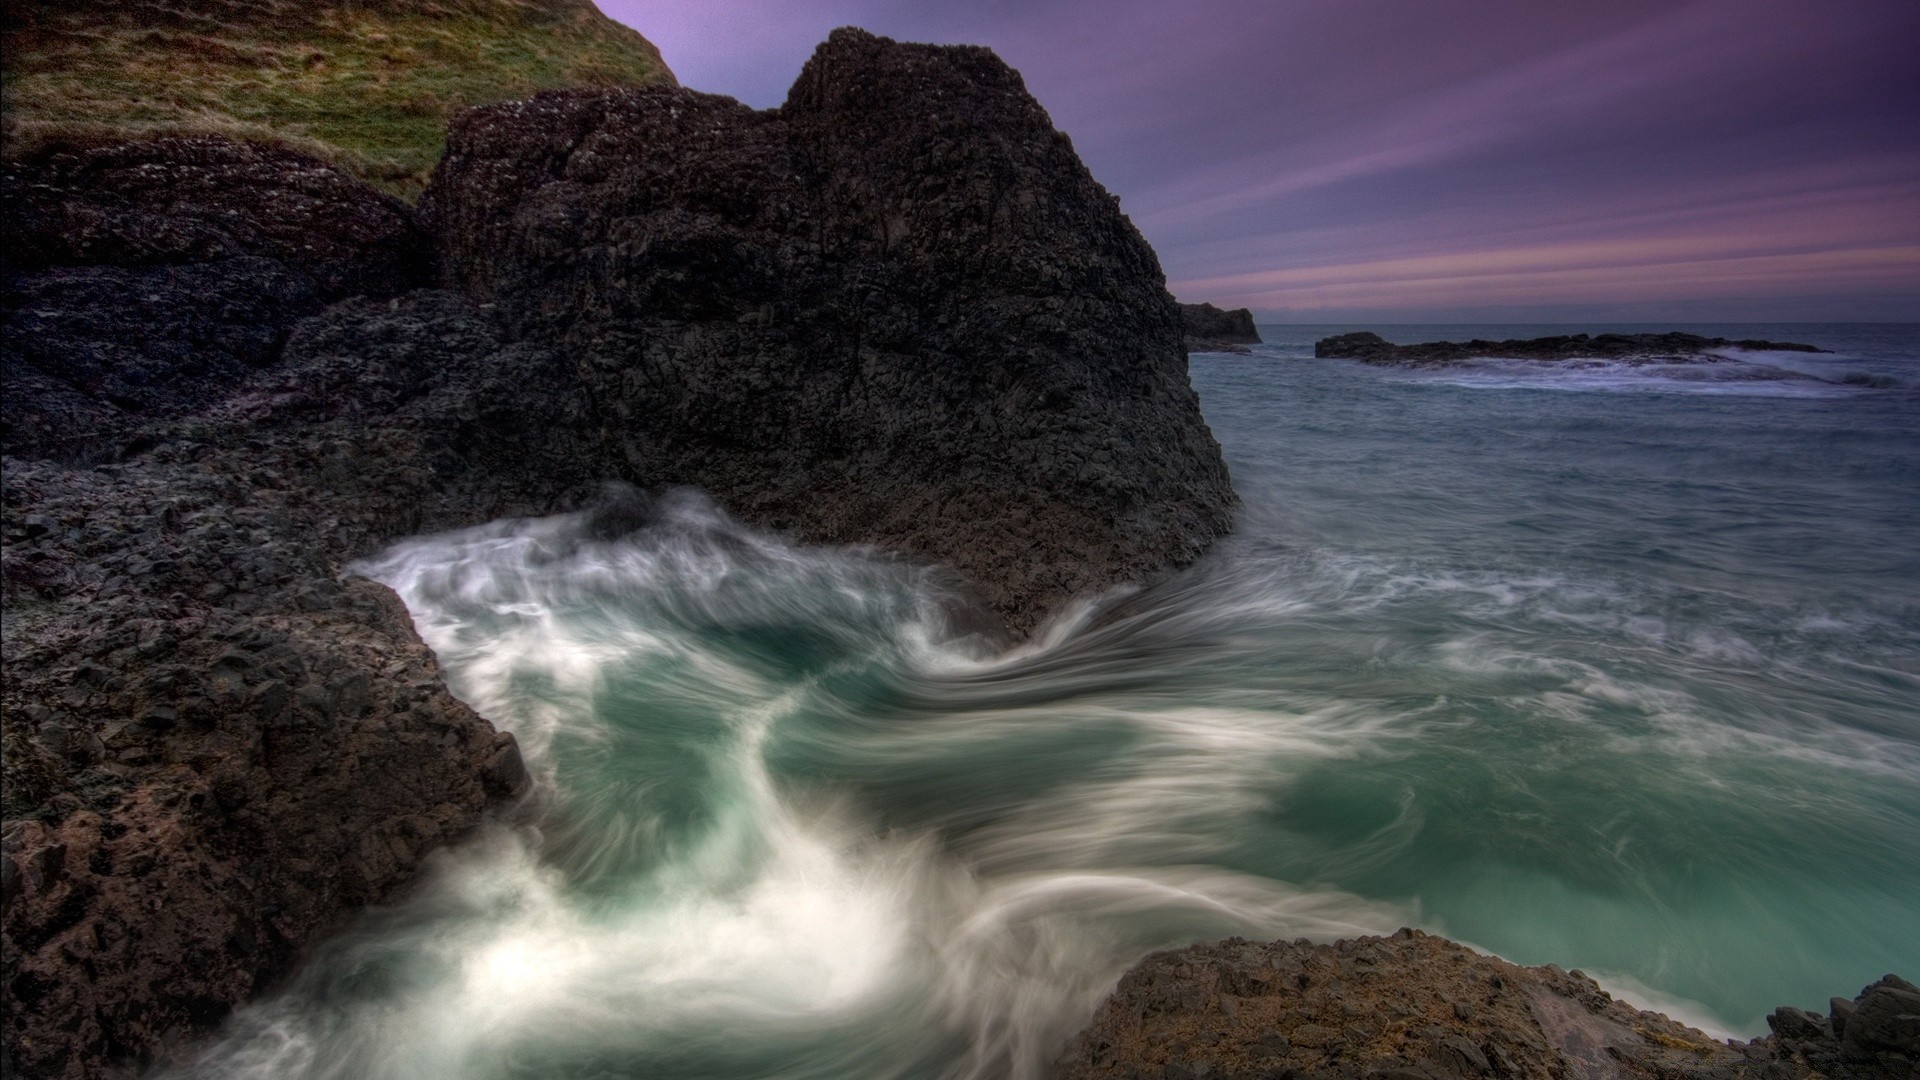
(1665, 348)
(144, 280)
(1416, 1007)
(896, 311)
(1212, 329)
(217, 747)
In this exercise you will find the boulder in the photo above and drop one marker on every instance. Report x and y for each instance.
(894, 311)
(1392, 1007)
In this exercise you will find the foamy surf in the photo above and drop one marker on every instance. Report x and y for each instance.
(1625, 688)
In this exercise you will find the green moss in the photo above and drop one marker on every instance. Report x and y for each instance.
(369, 86)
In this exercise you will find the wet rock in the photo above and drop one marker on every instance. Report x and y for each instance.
(1792, 1023)
(1840, 1011)
(1530, 1022)
(505, 772)
(1885, 1020)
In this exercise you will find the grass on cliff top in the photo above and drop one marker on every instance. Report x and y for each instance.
(368, 86)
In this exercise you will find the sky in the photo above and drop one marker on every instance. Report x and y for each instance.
(1447, 160)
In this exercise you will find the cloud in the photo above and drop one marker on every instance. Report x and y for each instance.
(1761, 138)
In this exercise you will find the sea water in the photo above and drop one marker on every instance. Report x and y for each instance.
(1612, 667)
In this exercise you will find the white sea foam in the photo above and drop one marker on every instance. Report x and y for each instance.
(796, 825)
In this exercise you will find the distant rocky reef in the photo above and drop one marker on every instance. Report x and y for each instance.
(1417, 1007)
(895, 312)
(1668, 348)
(1212, 329)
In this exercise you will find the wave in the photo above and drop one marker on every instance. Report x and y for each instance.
(793, 820)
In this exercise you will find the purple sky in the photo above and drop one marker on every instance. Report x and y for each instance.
(1419, 160)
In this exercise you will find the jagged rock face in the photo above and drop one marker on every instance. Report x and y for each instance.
(896, 310)
(1212, 329)
(144, 281)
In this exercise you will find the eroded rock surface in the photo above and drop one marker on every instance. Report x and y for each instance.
(1418, 1007)
(217, 746)
(895, 311)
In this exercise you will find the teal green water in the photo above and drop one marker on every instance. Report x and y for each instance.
(1614, 668)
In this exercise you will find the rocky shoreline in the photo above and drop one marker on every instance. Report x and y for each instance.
(230, 370)
(1668, 348)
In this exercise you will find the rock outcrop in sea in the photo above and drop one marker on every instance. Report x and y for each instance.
(1417, 1007)
(216, 746)
(1668, 348)
(1212, 329)
(895, 312)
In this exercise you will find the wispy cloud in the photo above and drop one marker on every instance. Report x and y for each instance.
(1599, 272)
(1438, 153)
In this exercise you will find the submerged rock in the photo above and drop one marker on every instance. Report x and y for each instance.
(1418, 1007)
(895, 311)
(1212, 329)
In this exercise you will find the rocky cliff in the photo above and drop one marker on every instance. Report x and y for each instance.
(896, 311)
(1212, 329)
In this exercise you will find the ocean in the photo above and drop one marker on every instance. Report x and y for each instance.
(1614, 668)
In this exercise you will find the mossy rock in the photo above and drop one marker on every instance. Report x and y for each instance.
(366, 84)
